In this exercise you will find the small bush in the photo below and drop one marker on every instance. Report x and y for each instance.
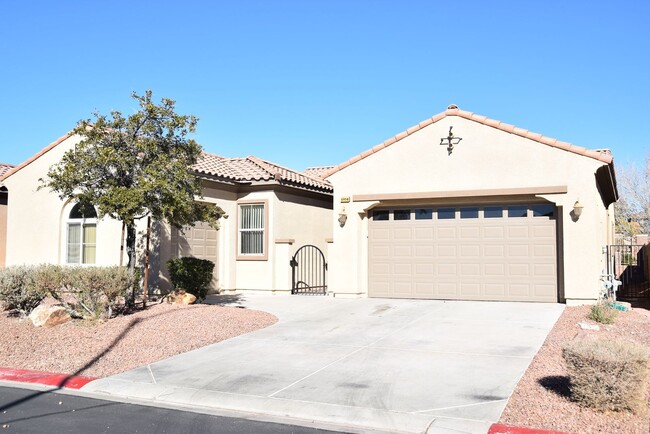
(606, 374)
(17, 290)
(97, 290)
(602, 313)
(191, 275)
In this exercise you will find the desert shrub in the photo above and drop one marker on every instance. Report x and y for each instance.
(17, 290)
(97, 290)
(85, 292)
(191, 275)
(607, 374)
(603, 313)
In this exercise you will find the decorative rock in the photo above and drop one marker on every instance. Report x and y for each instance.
(181, 297)
(586, 326)
(185, 298)
(49, 316)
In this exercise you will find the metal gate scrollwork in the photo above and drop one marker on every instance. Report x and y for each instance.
(309, 271)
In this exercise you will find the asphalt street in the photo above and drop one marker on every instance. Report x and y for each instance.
(30, 411)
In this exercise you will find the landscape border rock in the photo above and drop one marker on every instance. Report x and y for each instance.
(49, 316)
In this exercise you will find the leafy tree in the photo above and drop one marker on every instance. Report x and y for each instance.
(633, 208)
(134, 167)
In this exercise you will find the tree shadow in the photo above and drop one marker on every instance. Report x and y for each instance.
(558, 384)
(69, 378)
(233, 300)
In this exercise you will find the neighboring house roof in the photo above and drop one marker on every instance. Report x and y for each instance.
(250, 169)
(602, 155)
(4, 168)
(235, 169)
(317, 171)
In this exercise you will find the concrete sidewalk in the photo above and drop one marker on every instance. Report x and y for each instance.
(387, 365)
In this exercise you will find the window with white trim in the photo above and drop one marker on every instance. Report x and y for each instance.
(251, 229)
(81, 235)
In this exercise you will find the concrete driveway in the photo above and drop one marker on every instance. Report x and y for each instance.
(387, 365)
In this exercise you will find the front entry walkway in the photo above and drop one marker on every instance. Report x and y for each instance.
(388, 365)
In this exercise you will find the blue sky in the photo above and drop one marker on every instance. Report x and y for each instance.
(309, 83)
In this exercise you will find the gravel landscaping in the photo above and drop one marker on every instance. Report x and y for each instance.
(124, 342)
(541, 399)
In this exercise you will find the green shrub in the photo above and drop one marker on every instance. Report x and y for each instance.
(17, 290)
(607, 374)
(191, 275)
(603, 313)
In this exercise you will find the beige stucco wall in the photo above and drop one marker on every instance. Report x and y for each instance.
(36, 219)
(485, 159)
(3, 227)
(36, 230)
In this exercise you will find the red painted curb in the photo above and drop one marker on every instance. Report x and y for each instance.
(46, 378)
(498, 428)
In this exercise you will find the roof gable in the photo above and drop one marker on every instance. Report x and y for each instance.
(601, 155)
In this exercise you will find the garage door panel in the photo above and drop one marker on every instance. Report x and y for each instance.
(470, 289)
(446, 269)
(492, 270)
(493, 250)
(401, 234)
(518, 250)
(198, 241)
(518, 270)
(447, 233)
(426, 269)
(470, 270)
(474, 258)
(469, 233)
(446, 251)
(426, 233)
(470, 251)
(497, 232)
(515, 232)
(546, 231)
(424, 251)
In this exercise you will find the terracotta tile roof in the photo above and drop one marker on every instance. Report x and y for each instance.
(235, 169)
(255, 169)
(4, 168)
(603, 155)
(317, 171)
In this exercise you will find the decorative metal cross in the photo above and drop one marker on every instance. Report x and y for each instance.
(450, 141)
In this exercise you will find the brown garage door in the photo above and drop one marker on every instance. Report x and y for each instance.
(198, 241)
(486, 252)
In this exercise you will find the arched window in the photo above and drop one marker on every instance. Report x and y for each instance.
(82, 235)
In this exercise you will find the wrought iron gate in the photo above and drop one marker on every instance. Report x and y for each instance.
(630, 263)
(309, 271)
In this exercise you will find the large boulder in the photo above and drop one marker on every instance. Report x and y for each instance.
(49, 316)
(181, 297)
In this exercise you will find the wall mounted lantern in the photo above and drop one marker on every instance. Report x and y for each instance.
(343, 217)
(577, 209)
(450, 141)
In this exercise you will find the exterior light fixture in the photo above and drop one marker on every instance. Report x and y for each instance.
(343, 217)
(577, 209)
(450, 141)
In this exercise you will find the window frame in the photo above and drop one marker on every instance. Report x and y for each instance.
(265, 232)
(82, 223)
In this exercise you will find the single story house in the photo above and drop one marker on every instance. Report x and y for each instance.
(463, 207)
(271, 212)
(4, 168)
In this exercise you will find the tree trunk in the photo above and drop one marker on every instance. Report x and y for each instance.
(130, 251)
